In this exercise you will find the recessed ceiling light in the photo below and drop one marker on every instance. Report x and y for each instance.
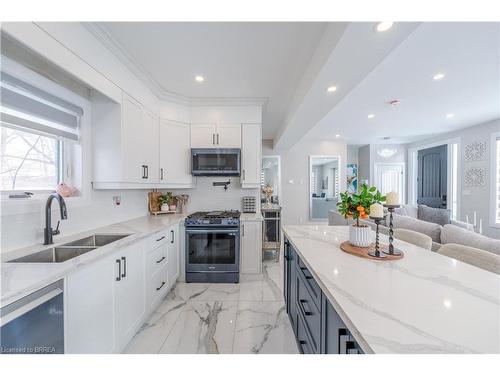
(450, 115)
(331, 89)
(383, 26)
(337, 135)
(199, 78)
(438, 76)
(371, 115)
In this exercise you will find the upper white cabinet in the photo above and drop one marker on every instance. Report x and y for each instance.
(175, 154)
(125, 142)
(251, 144)
(215, 135)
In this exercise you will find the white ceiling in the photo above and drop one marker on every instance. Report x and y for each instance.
(468, 53)
(242, 60)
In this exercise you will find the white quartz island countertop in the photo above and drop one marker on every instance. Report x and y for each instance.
(20, 279)
(423, 303)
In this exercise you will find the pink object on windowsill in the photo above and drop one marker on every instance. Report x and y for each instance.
(65, 190)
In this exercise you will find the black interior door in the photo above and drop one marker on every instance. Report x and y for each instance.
(432, 176)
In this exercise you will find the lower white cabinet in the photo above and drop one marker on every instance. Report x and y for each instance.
(251, 247)
(173, 256)
(105, 303)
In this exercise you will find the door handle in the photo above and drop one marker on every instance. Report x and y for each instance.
(172, 240)
(161, 238)
(161, 286)
(161, 173)
(217, 138)
(244, 174)
(161, 260)
(243, 230)
(213, 139)
(349, 345)
(147, 171)
(119, 277)
(124, 274)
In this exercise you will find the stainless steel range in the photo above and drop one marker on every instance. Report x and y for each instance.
(213, 247)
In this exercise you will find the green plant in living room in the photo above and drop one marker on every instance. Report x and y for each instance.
(357, 205)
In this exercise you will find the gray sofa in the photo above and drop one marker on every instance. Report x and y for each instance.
(454, 232)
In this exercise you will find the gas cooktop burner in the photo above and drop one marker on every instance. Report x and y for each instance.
(220, 218)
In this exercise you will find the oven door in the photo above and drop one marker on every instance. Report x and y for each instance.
(212, 249)
(215, 161)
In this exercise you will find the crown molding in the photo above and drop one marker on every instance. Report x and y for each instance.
(119, 51)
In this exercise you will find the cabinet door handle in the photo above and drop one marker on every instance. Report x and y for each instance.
(302, 303)
(124, 274)
(243, 230)
(159, 239)
(217, 138)
(161, 173)
(349, 345)
(244, 174)
(147, 171)
(143, 171)
(119, 277)
(161, 260)
(172, 240)
(213, 139)
(161, 286)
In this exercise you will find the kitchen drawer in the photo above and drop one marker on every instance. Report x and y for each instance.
(158, 239)
(156, 259)
(157, 286)
(303, 338)
(309, 313)
(311, 285)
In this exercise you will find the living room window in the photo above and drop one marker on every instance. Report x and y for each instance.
(495, 180)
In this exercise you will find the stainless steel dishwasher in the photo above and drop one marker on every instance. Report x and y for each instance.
(34, 324)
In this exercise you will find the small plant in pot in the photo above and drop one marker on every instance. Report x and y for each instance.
(163, 201)
(357, 206)
(172, 201)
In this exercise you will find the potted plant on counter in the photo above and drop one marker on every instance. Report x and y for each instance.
(172, 201)
(357, 206)
(163, 201)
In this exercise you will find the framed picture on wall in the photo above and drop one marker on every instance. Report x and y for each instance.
(352, 177)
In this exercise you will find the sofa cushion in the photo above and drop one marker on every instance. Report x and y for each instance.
(433, 230)
(439, 216)
(453, 234)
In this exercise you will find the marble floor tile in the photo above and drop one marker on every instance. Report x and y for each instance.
(208, 292)
(154, 332)
(203, 327)
(272, 288)
(263, 327)
(251, 290)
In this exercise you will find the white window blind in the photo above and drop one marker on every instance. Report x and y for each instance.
(497, 182)
(28, 108)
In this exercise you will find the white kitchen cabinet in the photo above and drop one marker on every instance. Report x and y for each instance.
(216, 135)
(175, 154)
(251, 247)
(105, 303)
(173, 256)
(125, 143)
(203, 135)
(90, 310)
(228, 135)
(251, 158)
(130, 303)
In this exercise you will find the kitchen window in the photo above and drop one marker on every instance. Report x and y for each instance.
(36, 127)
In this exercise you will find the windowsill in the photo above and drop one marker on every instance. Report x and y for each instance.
(17, 206)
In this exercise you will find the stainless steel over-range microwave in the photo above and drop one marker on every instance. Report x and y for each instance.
(215, 161)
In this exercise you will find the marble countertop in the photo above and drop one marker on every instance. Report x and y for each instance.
(20, 279)
(423, 303)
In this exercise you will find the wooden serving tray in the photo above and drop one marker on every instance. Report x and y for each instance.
(362, 252)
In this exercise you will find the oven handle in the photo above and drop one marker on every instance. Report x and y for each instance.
(212, 230)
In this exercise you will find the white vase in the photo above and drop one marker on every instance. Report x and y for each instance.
(360, 236)
(164, 207)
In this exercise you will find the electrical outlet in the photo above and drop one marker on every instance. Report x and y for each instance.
(117, 200)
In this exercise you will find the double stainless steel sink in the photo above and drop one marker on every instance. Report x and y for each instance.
(70, 250)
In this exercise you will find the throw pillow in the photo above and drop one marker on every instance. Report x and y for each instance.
(439, 216)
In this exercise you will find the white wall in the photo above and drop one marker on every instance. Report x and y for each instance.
(472, 199)
(295, 175)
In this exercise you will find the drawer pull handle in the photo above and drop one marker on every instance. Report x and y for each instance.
(160, 260)
(161, 286)
(302, 342)
(161, 238)
(303, 302)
